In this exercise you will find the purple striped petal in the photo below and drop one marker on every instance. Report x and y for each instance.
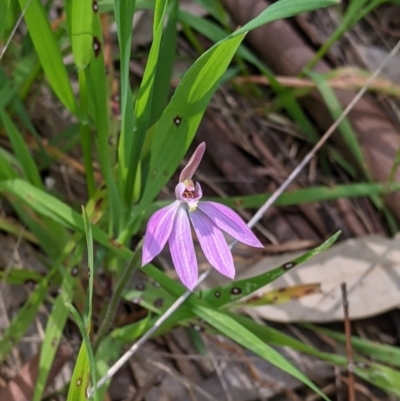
(230, 222)
(193, 163)
(213, 244)
(182, 249)
(158, 231)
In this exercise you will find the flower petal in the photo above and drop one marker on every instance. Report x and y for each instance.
(230, 222)
(158, 231)
(213, 244)
(193, 163)
(182, 249)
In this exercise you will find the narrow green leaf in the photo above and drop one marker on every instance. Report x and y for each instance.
(81, 31)
(57, 319)
(165, 64)
(284, 9)
(336, 110)
(10, 167)
(236, 290)
(123, 11)
(48, 51)
(89, 243)
(376, 351)
(184, 112)
(84, 132)
(144, 101)
(285, 95)
(97, 83)
(159, 14)
(80, 380)
(234, 330)
(85, 366)
(297, 197)
(21, 151)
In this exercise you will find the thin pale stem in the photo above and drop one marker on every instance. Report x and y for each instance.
(251, 223)
(109, 316)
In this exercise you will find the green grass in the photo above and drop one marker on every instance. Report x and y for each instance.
(127, 164)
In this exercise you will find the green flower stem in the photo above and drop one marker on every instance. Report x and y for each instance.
(112, 306)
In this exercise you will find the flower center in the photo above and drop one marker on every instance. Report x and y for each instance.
(191, 195)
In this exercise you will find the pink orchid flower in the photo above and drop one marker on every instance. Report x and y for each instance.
(209, 220)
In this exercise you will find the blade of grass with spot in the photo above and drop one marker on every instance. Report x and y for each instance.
(85, 366)
(80, 380)
(123, 11)
(4, 6)
(97, 84)
(236, 290)
(144, 100)
(48, 52)
(21, 151)
(59, 313)
(24, 317)
(81, 31)
(222, 295)
(182, 116)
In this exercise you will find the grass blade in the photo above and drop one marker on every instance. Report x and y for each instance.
(144, 100)
(123, 11)
(21, 151)
(182, 116)
(81, 31)
(48, 52)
